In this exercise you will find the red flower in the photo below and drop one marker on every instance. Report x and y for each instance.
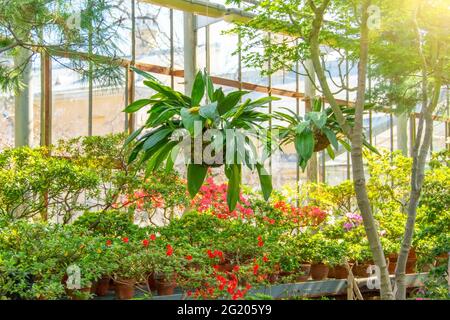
(216, 267)
(236, 268)
(189, 257)
(169, 250)
(265, 259)
(125, 240)
(255, 269)
(108, 242)
(153, 237)
(145, 242)
(189, 293)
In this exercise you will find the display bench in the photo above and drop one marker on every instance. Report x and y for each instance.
(308, 289)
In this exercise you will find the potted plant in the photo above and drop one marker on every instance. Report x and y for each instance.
(174, 115)
(130, 268)
(317, 131)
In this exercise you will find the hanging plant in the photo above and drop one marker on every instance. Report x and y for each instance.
(317, 131)
(172, 112)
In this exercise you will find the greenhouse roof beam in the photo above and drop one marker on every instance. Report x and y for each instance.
(212, 10)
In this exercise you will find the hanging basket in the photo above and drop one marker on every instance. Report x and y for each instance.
(321, 141)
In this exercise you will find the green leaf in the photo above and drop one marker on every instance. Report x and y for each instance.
(189, 119)
(233, 173)
(302, 126)
(345, 145)
(198, 90)
(331, 152)
(137, 105)
(132, 136)
(262, 101)
(230, 101)
(209, 87)
(317, 105)
(159, 156)
(196, 174)
(304, 144)
(156, 137)
(318, 118)
(370, 147)
(331, 136)
(209, 111)
(146, 75)
(218, 95)
(265, 180)
(172, 157)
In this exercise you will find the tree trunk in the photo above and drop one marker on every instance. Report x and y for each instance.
(402, 133)
(23, 117)
(421, 149)
(356, 136)
(359, 180)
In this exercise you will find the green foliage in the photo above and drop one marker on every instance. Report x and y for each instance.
(172, 114)
(33, 181)
(111, 224)
(315, 132)
(58, 27)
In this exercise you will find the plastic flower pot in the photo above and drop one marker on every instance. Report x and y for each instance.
(124, 288)
(319, 271)
(102, 287)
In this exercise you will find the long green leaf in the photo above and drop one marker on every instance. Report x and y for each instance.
(198, 90)
(156, 137)
(230, 101)
(331, 136)
(137, 105)
(265, 180)
(196, 174)
(234, 184)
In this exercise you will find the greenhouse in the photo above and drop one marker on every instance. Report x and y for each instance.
(224, 150)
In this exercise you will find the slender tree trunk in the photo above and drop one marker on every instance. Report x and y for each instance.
(402, 133)
(356, 136)
(358, 165)
(421, 149)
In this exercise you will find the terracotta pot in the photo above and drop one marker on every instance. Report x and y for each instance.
(340, 272)
(151, 281)
(319, 271)
(78, 294)
(442, 259)
(165, 287)
(102, 287)
(331, 273)
(393, 257)
(304, 271)
(391, 267)
(124, 288)
(411, 265)
(360, 270)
